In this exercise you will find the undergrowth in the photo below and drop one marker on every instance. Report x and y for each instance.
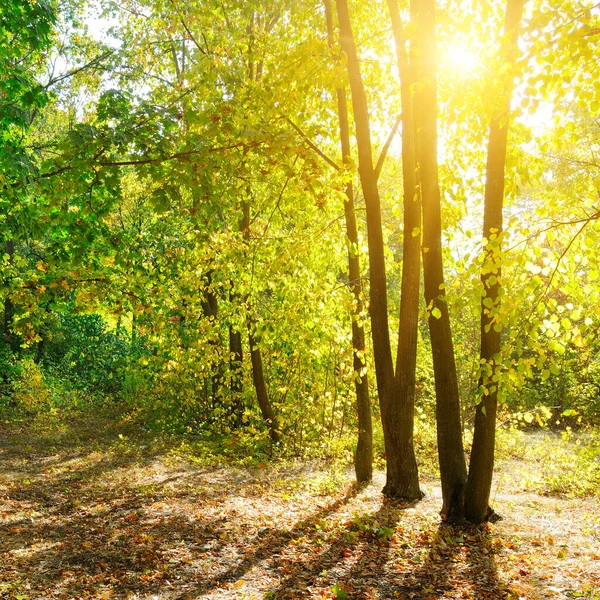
(565, 463)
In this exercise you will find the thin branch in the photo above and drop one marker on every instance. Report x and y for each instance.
(184, 25)
(554, 225)
(558, 262)
(73, 72)
(313, 147)
(177, 155)
(386, 146)
(140, 162)
(574, 161)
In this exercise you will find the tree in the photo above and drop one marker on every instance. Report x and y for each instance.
(25, 32)
(453, 471)
(402, 472)
(481, 466)
(406, 359)
(363, 458)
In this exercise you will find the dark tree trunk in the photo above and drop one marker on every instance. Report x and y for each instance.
(210, 308)
(236, 356)
(395, 446)
(481, 467)
(10, 338)
(406, 358)
(39, 351)
(453, 470)
(133, 328)
(258, 377)
(262, 395)
(363, 459)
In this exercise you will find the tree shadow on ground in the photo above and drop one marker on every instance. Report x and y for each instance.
(368, 558)
(94, 523)
(272, 543)
(352, 560)
(89, 525)
(459, 564)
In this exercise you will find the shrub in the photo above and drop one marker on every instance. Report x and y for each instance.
(85, 353)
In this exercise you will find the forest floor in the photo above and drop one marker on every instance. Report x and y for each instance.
(89, 511)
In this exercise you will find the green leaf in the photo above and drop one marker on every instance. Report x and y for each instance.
(339, 592)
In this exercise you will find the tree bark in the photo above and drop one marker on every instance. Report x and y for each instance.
(262, 395)
(236, 357)
(399, 483)
(481, 467)
(363, 458)
(10, 338)
(210, 308)
(453, 470)
(406, 358)
(258, 377)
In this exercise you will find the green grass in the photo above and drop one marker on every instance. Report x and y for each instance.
(566, 464)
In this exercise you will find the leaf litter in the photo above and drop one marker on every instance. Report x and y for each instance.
(104, 517)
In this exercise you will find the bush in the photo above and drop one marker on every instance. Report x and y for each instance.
(9, 372)
(30, 391)
(91, 358)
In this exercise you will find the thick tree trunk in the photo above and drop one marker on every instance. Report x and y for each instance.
(363, 459)
(406, 358)
(397, 485)
(453, 470)
(481, 467)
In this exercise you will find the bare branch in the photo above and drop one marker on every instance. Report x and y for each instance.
(85, 67)
(187, 30)
(386, 147)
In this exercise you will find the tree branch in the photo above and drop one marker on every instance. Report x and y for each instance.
(311, 145)
(200, 48)
(386, 146)
(73, 72)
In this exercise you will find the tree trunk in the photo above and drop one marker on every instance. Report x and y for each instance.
(9, 311)
(258, 377)
(363, 458)
(134, 333)
(399, 483)
(236, 357)
(262, 395)
(406, 358)
(210, 308)
(453, 470)
(481, 467)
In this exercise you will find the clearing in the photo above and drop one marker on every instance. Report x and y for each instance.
(96, 511)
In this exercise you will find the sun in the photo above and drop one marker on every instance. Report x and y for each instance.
(460, 58)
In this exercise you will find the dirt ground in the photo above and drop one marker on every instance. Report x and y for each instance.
(96, 516)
